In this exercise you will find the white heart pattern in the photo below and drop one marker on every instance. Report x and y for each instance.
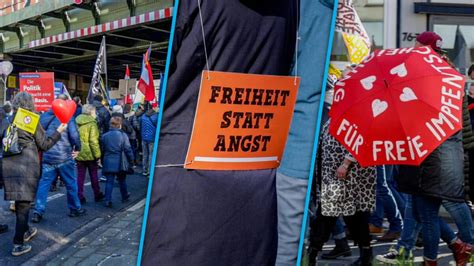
(408, 95)
(368, 82)
(379, 107)
(400, 70)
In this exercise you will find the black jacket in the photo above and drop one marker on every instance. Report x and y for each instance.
(21, 172)
(440, 175)
(126, 126)
(103, 117)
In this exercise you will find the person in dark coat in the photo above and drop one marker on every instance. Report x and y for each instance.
(148, 123)
(129, 116)
(470, 108)
(4, 123)
(59, 161)
(468, 145)
(78, 102)
(135, 122)
(439, 178)
(231, 215)
(103, 114)
(21, 173)
(117, 111)
(114, 144)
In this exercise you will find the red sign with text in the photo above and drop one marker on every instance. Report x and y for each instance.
(41, 86)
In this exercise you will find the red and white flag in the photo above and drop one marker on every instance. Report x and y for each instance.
(145, 84)
(127, 73)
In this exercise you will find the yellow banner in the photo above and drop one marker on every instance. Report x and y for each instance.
(26, 120)
(356, 47)
(334, 71)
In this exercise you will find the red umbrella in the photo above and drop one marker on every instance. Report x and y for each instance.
(397, 106)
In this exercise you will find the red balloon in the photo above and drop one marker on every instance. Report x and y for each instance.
(64, 110)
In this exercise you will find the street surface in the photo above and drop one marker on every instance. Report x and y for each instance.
(103, 236)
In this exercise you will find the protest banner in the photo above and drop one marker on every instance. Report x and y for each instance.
(242, 121)
(41, 86)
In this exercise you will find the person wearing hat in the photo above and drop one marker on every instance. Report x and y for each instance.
(442, 166)
(429, 38)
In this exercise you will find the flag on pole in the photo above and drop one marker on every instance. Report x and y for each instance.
(127, 73)
(145, 84)
(127, 98)
(353, 32)
(461, 53)
(138, 98)
(98, 85)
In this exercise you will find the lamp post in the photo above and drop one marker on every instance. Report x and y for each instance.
(6, 69)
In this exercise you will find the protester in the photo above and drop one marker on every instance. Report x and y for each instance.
(103, 114)
(117, 111)
(8, 112)
(470, 98)
(115, 144)
(347, 189)
(59, 161)
(239, 226)
(4, 123)
(148, 123)
(438, 179)
(78, 102)
(89, 156)
(386, 204)
(129, 116)
(21, 173)
(135, 122)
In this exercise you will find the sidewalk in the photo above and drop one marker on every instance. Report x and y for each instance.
(113, 243)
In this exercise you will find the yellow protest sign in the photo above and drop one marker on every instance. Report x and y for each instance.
(26, 120)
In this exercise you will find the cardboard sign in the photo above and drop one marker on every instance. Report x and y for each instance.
(242, 121)
(26, 120)
(41, 86)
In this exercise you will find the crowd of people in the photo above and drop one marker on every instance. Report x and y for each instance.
(99, 140)
(410, 197)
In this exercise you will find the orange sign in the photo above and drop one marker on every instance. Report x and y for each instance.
(242, 121)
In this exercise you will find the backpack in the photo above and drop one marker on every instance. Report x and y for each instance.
(11, 146)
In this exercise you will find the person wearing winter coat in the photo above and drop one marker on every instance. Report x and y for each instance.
(117, 111)
(468, 135)
(346, 189)
(59, 161)
(438, 180)
(21, 173)
(148, 123)
(255, 37)
(114, 144)
(129, 115)
(78, 102)
(103, 114)
(135, 122)
(89, 156)
(4, 123)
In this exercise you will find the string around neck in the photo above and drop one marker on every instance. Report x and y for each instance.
(204, 40)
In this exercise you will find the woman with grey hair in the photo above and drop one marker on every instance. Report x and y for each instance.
(21, 173)
(89, 156)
